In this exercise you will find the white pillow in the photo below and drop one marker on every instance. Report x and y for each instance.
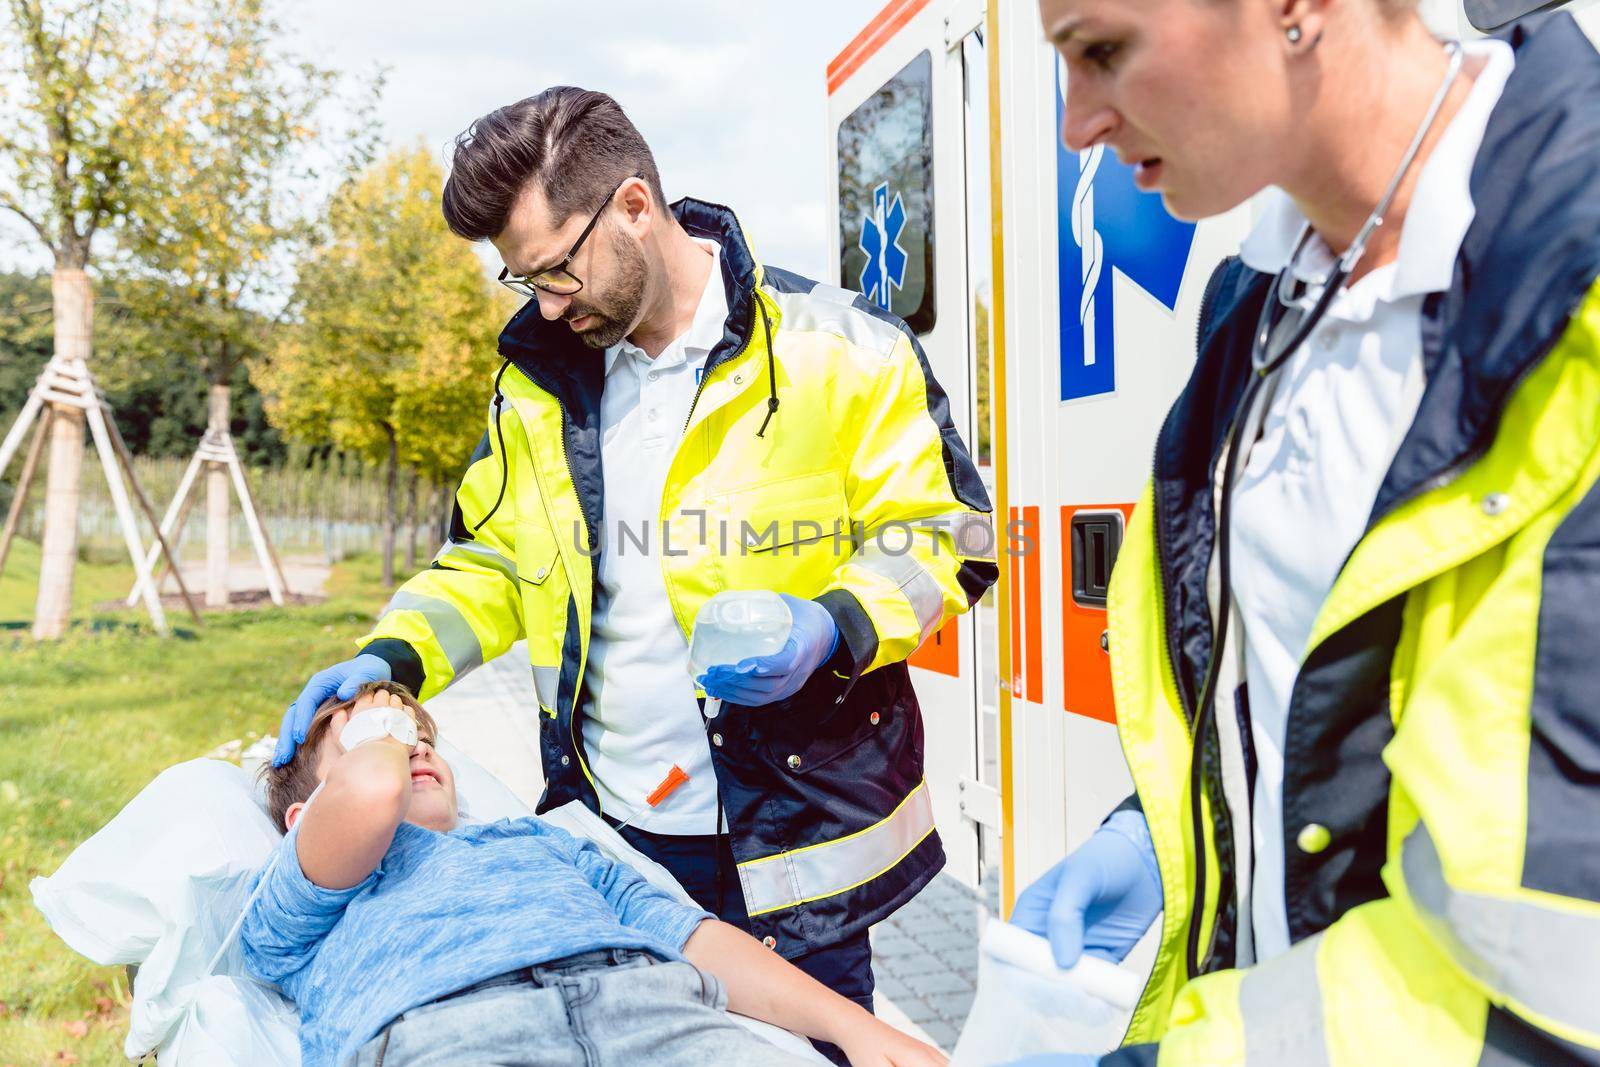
(163, 884)
(234, 1022)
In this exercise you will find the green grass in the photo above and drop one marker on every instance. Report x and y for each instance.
(88, 721)
(92, 583)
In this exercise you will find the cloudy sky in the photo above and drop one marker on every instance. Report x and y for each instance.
(729, 93)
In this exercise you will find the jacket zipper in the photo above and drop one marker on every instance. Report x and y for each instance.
(755, 295)
(1164, 583)
(572, 718)
(594, 576)
(1191, 714)
(705, 377)
(1207, 302)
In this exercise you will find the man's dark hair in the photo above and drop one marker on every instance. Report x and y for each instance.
(576, 143)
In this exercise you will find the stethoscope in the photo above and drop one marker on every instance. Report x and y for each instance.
(1264, 362)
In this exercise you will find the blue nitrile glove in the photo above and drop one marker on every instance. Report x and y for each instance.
(762, 680)
(1057, 1059)
(1100, 899)
(341, 680)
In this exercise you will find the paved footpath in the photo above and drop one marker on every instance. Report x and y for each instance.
(925, 956)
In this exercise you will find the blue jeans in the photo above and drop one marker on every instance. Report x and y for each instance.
(612, 1008)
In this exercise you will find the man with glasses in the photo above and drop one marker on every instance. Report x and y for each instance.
(558, 280)
(674, 420)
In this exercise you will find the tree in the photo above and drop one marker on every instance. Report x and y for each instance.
(394, 341)
(232, 202)
(145, 376)
(147, 369)
(95, 97)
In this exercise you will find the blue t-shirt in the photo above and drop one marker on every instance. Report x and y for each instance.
(443, 912)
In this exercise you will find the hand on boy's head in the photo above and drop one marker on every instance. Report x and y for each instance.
(379, 698)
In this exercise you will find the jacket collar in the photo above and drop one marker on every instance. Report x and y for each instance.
(1531, 254)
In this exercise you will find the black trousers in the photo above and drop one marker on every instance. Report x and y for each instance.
(705, 866)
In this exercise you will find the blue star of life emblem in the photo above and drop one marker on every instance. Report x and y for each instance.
(885, 269)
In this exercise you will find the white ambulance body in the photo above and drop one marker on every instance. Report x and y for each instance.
(1042, 279)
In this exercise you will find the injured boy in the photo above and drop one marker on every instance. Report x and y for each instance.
(408, 938)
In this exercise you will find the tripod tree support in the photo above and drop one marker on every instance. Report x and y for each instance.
(24, 483)
(216, 448)
(66, 383)
(121, 448)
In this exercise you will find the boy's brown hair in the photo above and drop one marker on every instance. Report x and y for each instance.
(296, 780)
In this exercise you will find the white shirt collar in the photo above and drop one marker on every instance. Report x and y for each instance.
(710, 318)
(1441, 207)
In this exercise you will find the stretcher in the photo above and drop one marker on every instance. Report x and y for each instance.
(161, 888)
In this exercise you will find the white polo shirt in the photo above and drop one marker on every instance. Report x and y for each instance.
(1342, 405)
(645, 717)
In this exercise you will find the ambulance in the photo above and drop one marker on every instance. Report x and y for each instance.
(1058, 307)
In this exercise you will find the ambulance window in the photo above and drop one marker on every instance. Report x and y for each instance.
(886, 196)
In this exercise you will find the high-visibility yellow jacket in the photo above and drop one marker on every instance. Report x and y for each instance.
(820, 460)
(1442, 757)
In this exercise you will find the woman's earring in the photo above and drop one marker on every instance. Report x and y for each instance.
(1295, 34)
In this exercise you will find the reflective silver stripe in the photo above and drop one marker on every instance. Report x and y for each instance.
(972, 532)
(829, 309)
(546, 683)
(482, 555)
(910, 577)
(832, 867)
(1543, 958)
(1280, 1007)
(454, 633)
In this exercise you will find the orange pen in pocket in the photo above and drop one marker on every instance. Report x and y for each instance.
(675, 777)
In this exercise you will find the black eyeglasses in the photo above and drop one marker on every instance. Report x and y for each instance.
(558, 279)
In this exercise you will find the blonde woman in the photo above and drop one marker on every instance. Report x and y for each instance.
(1351, 625)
